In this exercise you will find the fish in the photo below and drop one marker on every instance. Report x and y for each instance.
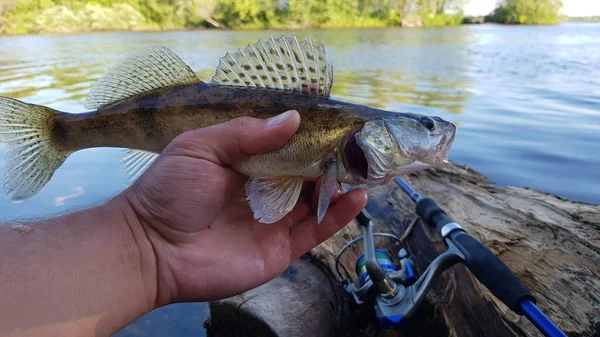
(151, 96)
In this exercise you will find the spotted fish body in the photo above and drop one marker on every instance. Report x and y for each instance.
(152, 96)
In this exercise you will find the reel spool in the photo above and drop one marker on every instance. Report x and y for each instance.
(384, 259)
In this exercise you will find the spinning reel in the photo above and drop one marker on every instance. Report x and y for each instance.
(396, 291)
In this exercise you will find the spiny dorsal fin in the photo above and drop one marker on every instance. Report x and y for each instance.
(147, 68)
(283, 64)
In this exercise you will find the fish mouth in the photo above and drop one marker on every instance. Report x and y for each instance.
(420, 143)
(399, 144)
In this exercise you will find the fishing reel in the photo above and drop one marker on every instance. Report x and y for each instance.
(392, 288)
(396, 292)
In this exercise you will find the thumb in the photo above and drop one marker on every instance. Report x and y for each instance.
(228, 142)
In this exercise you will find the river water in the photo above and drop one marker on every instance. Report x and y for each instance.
(526, 101)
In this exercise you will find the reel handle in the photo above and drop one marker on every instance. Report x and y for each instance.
(492, 272)
(484, 264)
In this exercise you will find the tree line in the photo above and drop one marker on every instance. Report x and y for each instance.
(537, 12)
(63, 16)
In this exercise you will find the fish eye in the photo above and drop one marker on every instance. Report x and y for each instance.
(427, 122)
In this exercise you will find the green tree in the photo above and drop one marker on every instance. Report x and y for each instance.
(66, 16)
(246, 13)
(527, 12)
(307, 12)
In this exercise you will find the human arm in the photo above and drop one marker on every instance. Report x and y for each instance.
(182, 232)
(80, 274)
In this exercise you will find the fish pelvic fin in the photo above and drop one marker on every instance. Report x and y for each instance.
(134, 163)
(329, 185)
(272, 198)
(147, 68)
(32, 158)
(285, 64)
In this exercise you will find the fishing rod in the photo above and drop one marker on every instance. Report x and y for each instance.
(396, 290)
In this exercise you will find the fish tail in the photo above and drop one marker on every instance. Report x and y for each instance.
(32, 157)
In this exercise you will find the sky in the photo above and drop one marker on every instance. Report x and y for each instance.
(570, 7)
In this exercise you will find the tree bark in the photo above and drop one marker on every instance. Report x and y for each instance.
(303, 301)
(552, 244)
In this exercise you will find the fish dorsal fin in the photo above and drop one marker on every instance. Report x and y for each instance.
(147, 68)
(282, 64)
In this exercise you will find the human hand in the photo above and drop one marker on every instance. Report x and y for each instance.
(191, 206)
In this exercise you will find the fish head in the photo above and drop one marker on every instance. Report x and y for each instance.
(400, 143)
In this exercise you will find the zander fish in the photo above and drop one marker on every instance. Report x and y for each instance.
(152, 96)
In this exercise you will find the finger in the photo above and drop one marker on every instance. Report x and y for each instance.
(308, 234)
(228, 142)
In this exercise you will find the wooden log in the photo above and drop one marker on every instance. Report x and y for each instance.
(303, 301)
(552, 244)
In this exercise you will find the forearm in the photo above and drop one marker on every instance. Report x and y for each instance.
(88, 273)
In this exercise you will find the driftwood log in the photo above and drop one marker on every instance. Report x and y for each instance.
(552, 244)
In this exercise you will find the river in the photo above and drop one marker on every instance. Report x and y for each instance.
(526, 101)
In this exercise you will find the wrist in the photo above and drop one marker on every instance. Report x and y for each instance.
(140, 253)
(145, 235)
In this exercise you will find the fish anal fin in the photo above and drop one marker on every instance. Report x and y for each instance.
(272, 198)
(147, 68)
(329, 185)
(134, 163)
(281, 64)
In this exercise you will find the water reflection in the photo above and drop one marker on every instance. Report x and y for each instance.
(76, 192)
(67, 81)
(383, 89)
(71, 79)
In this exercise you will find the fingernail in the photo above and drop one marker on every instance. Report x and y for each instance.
(279, 119)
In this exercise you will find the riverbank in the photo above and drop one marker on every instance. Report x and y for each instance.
(433, 22)
(125, 18)
(76, 16)
(18, 17)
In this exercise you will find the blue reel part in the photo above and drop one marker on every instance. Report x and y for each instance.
(410, 273)
(391, 322)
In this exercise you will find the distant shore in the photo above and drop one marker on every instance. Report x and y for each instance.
(24, 17)
(151, 29)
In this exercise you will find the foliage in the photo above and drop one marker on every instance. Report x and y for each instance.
(439, 12)
(246, 13)
(473, 20)
(63, 16)
(443, 20)
(527, 12)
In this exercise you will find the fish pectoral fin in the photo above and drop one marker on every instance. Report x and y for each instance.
(329, 185)
(272, 198)
(149, 67)
(134, 163)
(279, 64)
